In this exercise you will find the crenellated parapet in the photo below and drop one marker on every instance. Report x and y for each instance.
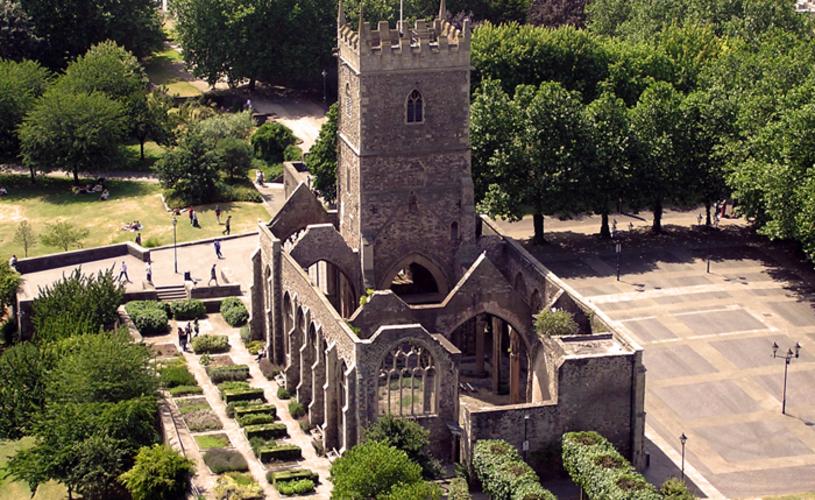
(425, 44)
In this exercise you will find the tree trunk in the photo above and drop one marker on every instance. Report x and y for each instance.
(657, 226)
(707, 213)
(76, 177)
(33, 174)
(605, 232)
(141, 148)
(537, 224)
(252, 82)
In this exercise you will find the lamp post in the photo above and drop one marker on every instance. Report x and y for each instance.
(788, 356)
(683, 439)
(618, 249)
(526, 441)
(175, 245)
(324, 73)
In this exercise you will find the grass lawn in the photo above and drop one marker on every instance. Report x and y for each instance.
(15, 490)
(167, 68)
(51, 199)
(208, 441)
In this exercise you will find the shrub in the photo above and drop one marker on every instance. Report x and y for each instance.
(296, 410)
(458, 489)
(75, 305)
(255, 346)
(422, 490)
(221, 460)
(211, 344)
(232, 487)
(293, 153)
(283, 393)
(280, 452)
(675, 489)
(202, 420)
(270, 140)
(186, 310)
(158, 474)
(233, 311)
(299, 487)
(246, 409)
(503, 474)
(283, 476)
(149, 316)
(555, 323)
(371, 469)
(408, 436)
(185, 390)
(255, 419)
(175, 374)
(266, 431)
(220, 374)
(593, 464)
(232, 407)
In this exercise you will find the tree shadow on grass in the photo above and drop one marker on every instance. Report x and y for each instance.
(55, 190)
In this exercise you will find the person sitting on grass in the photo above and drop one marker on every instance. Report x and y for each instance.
(3, 191)
(105, 195)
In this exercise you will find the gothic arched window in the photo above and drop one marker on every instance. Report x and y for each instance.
(407, 381)
(415, 107)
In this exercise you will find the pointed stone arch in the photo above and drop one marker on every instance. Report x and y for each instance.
(432, 269)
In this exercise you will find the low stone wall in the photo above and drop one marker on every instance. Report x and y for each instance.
(74, 257)
(212, 292)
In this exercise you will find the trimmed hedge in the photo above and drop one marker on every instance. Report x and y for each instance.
(598, 468)
(149, 316)
(249, 394)
(220, 374)
(503, 473)
(232, 407)
(186, 310)
(255, 419)
(299, 487)
(458, 490)
(185, 390)
(221, 460)
(254, 409)
(281, 452)
(675, 489)
(175, 374)
(210, 344)
(283, 476)
(266, 431)
(233, 311)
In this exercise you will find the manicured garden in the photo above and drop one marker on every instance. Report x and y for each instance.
(51, 199)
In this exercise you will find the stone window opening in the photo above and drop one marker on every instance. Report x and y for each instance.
(407, 382)
(415, 107)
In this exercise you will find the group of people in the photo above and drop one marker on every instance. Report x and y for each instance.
(194, 222)
(97, 187)
(187, 333)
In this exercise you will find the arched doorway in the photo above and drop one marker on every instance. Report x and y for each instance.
(416, 280)
(494, 366)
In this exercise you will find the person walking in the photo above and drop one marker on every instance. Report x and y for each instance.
(195, 222)
(123, 273)
(213, 276)
(228, 225)
(148, 270)
(217, 245)
(138, 239)
(191, 215)
(12, 262)
(182, 341)
(218, 213)
(195, 328)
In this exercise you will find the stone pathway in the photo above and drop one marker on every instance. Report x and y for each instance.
(203, 480)
(240, 355)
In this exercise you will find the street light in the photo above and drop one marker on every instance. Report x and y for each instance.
(787, 360)
(618, 249)
(526, 442)
(683, 439)
(175, 247)
(324, 73)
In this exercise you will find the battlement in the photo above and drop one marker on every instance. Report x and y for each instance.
(424, 45)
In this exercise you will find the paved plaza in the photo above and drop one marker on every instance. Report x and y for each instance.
(707, 340)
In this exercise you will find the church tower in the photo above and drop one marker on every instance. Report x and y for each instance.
(404, 185)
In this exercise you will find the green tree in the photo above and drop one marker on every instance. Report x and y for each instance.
(190, 170)
(21, 83)
(408, 436)
(102, 368)
(62, 234)
(609, 174)
(76, 304)
(18, 40)
(10, 281)
(24, 235)
(554, 13)
(107, 68)
(271, 139)
(236, 157)
(73, 132)
(70, 27)
(656, 123)
(371, 469)
(540, 171)
(322, 157)
(151, 119)
(422, 490)
(159, 473)
(23, 368)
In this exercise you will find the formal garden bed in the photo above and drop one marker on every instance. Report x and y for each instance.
(240, 391)
(208, 441)
(238, 486)
(293, 481)
(198, 414)
(176, 378)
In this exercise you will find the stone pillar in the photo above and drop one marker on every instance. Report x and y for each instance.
(306, 362)
(316, 410)
(295, 340)
(497, 333)
(480, 327)
(514, 367)
(332, 285)
(331, 400)
(348, 429)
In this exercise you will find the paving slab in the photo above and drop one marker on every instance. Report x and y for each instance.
(720, 321)
(706, 399)
(675, 361)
